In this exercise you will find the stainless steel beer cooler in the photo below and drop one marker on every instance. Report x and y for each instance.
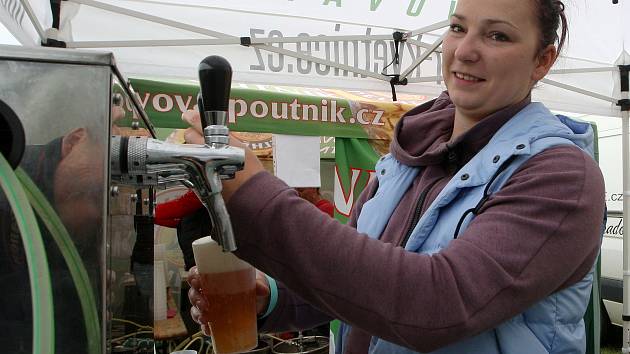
(77, 285)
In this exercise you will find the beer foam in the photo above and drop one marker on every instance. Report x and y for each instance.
(210, 257)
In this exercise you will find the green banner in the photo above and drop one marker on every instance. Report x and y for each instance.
(254, 110)
(355, 160)
(280, 109)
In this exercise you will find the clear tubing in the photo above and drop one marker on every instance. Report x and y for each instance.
(71, 256)
(39, 276)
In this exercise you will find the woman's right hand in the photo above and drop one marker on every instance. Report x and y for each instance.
(199, 309)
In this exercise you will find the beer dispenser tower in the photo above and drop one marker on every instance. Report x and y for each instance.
(142, 161)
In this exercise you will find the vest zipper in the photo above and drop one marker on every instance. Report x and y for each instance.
(418, 212)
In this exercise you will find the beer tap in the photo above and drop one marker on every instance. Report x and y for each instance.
(143, 161)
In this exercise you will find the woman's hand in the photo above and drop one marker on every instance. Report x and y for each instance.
(194, 135)
(199, 310)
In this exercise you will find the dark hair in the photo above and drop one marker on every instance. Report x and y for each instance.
(550, 17)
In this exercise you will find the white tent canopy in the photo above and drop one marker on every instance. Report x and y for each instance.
(168, 38)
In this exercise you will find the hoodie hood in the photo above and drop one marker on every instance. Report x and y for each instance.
(422, 137)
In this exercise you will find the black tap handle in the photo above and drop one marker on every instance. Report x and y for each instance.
(215, 80)
(204, 120)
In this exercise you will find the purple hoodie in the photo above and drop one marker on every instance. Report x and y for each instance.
(537, 235)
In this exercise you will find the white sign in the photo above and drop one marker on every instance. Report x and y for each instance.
(296, 160)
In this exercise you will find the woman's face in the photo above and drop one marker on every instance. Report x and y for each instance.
(491, 55)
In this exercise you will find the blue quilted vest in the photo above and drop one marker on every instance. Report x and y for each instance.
(553, 325)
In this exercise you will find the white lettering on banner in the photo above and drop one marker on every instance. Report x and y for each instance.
(233, 113)
(183, 107)
(264, 110)
(335, 114)
(344, 200)
(327, 112)
(294, 107)
(360, 116)
(143, 101)
(324, 111)
(313, 109)
(14, 9)
(368, 55)
(274, 111)
(377, 118)
(158, 99)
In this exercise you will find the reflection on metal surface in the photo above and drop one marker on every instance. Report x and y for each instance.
(69, 103)
(64, 107)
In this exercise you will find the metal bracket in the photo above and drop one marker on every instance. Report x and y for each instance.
(399, 36)
(54, 43)
(246, 41)
(395, 80)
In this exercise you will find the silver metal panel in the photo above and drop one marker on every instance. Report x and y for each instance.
(70, 102)
(71, 56)
(65, 110)
(53, 99)
(55, 55)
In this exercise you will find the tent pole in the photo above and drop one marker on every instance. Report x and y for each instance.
(583, 70)
(151, 18)
(429, 28)
(423, 57)
(625, 130)
(215, 34)
(425, 79)
(222, 41)
(625, 122)
(326, 62)
(422, 44)
(579, 90)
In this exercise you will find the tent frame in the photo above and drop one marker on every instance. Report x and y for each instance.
(624, 103)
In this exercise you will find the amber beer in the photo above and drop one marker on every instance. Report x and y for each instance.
(229, 287)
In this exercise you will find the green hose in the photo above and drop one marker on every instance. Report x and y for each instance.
(71, 256)
(41, 291)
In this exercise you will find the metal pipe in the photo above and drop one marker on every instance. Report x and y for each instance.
(34, 20)
(423, 57)
(625, 130)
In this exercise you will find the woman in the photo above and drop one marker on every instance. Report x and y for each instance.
(480, 231)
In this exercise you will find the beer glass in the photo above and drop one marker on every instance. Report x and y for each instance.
(228, 285)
